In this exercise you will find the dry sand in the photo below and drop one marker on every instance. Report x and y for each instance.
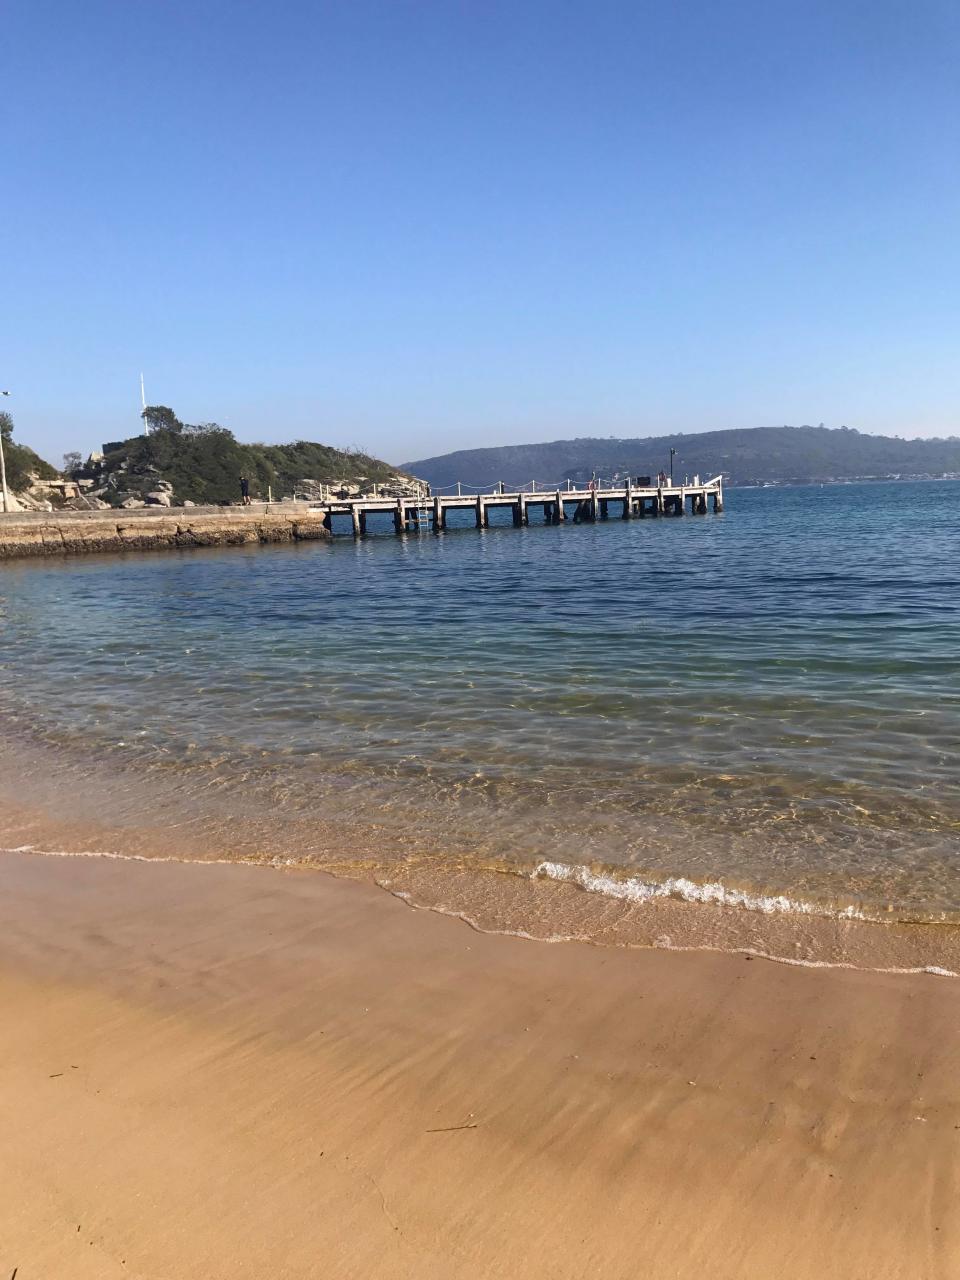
(227, 1071)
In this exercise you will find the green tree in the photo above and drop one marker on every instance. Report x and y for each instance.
(159, 417)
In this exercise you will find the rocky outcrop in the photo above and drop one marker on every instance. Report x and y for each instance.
(24, 500)
(74, 534)
(57, 493)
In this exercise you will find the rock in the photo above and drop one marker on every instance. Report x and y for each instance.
(129, 504)
(187, 503)
(157, 498)
(28, 501)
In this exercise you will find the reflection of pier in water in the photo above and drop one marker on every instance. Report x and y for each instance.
(552, 506)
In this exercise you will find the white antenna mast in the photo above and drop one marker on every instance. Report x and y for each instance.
(143, 401)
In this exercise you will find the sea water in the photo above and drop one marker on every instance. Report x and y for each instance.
(760, 708)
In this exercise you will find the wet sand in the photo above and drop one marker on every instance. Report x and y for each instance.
(225, 1071)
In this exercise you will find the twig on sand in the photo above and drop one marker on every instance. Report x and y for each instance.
(383, 1204)
(452, 1128)
(55, 1074)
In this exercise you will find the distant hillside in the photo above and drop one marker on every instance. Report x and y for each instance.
(203, 464)
(763, 454)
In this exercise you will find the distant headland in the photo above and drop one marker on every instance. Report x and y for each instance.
(758, 455)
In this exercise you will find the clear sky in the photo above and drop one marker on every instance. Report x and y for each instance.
(417, 227)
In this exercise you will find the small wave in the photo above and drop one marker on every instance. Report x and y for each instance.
(662, 944)
(636, 890)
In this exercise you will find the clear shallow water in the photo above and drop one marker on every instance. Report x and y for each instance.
(769, 699)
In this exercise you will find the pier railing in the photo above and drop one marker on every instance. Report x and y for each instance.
(554, 504)
(461, 488)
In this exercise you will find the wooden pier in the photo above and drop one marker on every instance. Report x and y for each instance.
(553, 506)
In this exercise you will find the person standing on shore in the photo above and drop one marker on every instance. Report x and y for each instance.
(245, 491)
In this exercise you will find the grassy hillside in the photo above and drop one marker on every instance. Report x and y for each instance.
(22, 464)
(203, 464)
(321, 462)
(778, 454)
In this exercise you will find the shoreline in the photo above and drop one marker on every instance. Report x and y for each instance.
(276, 1072)
(882, 947)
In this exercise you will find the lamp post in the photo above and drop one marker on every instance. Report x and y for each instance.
(3, 469)
(672, 453)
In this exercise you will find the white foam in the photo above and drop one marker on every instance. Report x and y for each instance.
(634, 889)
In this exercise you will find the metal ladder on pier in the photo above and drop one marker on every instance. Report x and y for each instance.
(423, 515)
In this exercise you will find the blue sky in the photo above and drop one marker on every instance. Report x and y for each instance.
(421, 227)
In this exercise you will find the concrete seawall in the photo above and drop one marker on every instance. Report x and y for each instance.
(33, 534)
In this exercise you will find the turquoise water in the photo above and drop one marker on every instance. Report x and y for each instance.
(768, 699)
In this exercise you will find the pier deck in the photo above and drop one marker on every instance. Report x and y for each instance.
(553, 506)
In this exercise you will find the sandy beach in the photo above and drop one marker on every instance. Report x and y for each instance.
(226, 1071)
